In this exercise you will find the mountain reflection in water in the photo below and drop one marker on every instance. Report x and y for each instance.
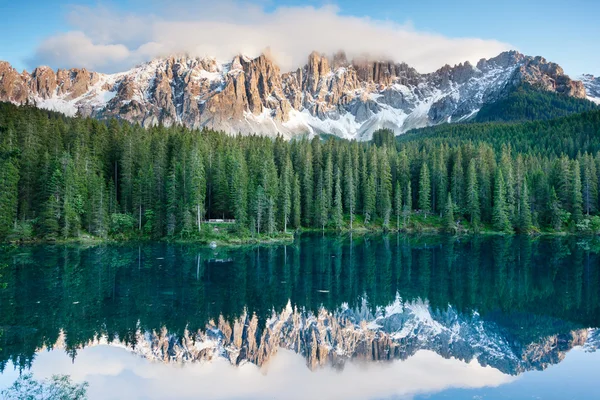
(512, 303)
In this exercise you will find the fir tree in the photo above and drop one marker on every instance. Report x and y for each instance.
(398, 204)
(576, 197)
(449, 223)
(424, 190)
(407, 205)
(499, 215)
(349, 190)
(525, 223)
(472, 195)
(338, 211)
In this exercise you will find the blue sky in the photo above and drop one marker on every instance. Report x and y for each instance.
(565, 32)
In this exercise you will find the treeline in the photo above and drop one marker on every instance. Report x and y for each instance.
(62, 177)
(526, 103)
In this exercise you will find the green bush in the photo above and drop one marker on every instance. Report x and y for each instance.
(121, 224)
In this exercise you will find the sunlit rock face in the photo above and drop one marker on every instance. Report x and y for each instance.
(330, 94)
(396, 332)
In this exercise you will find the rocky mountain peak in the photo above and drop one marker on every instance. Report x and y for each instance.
(329, 94)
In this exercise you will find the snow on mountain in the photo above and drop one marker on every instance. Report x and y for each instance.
(333, 338)
(592, 87)
(329, 95)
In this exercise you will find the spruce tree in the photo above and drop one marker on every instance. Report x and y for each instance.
(198, 185)
(398, 204)
(407, 204)
(424, 190)
(296, 203)
(525, 223)
(449, 223)
(472, 195)
(555, 210)
(370, 198)
(285, 192)
(9, 189)
(576, 196)
(350, 190)
(385, 192)
(499, 214)
(338, 210)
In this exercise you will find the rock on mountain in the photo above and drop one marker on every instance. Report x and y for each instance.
(330, 95)
(592, 86)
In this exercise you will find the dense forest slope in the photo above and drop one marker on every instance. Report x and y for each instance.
(64, 177)
(526, 103)
(569, 135)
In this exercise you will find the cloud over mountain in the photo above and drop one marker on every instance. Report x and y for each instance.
(108, 40)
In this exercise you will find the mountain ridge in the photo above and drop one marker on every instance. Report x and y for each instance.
(333, 95)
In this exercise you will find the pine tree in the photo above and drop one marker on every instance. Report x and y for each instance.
(576, 197)
(407, 204)
(449, 223)
(307, 189)
(260, 203)
(590, 185)
(555, 210)
(509, 183)
(296, 203)
(424, 190)
(398, 204)
(457, 185)
(9, 189)
(370, 198)
(198, 186)
(172, 202)
(328, 182)
(52, 211)
(285, 193)
(338, 210)
(271, 216)
(499, 214)
(472, 195)
(385, 195)
(349, 190)
(439, 180)
(525, 223)
(321, 211)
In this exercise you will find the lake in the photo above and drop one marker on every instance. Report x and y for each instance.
(363, 317)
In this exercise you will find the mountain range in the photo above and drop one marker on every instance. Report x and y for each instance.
(333, 338)
(329, 95)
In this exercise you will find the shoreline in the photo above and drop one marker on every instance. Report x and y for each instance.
(290, 237)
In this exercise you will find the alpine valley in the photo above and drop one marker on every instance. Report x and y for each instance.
(329, 95)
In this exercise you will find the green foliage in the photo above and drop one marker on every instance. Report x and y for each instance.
(112, 179)
(500, 216)
(526, 103)
(449, 222)
(424, 190)
(384, 137)
(572, 135)
(122, 224)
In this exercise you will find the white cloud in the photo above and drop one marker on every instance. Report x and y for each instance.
(111, 41)
(114, 373)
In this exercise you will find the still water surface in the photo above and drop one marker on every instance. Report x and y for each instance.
(382, 316)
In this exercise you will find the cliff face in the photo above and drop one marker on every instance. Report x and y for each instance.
(333, 338)
(334, 95)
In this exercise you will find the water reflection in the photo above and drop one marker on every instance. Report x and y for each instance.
(515, 304)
